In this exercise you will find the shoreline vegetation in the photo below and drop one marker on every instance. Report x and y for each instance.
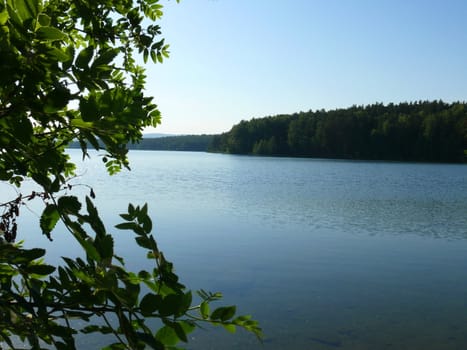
(426, 131)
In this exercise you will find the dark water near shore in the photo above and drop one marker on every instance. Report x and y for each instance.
(326, 254)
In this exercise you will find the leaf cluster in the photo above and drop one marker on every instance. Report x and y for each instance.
(38, 305)
(68, 72)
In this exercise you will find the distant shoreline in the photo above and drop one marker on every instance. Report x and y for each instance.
(427, 132)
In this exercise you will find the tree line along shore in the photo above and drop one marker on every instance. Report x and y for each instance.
(431, 131)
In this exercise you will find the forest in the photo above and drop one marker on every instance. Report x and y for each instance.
(432, 131)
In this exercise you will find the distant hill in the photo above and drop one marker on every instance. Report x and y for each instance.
(193, 143)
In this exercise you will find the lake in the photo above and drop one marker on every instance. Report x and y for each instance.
(327, 254)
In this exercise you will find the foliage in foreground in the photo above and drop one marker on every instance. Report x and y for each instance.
(98, 289)
(68, 72)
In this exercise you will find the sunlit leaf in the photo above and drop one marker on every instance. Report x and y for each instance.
(105, 57)
(204, 309)
(59, 55)
(230, 328)
(167, 336)
(49, 218)
(50, 34)
(3, 17)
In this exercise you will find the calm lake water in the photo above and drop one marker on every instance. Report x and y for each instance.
(326, 254)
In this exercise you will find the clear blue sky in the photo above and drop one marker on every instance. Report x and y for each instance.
(239, 59)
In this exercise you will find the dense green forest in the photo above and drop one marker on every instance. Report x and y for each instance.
(419, 131)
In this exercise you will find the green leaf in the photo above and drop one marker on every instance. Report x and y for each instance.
(230, 327)
(55, 185)
(179, 330)
(144, 211)
(144, 275)
(70, 50)
(204, 309)
(126, 327)
(223, 313)
(22, 10)
(147, 224)
(153, 56)
(171, 305)
(61, 95)
(32, 254)
(44, 20)
(105, 246)
(242, 319)
(89, 109)
(50, 34)
(126, 226)
(165, 51)
(3, 17)
(59, 55)
(91, 251)
(187, 326)
(167, 336)
(144, 242)
(57, 99)
(84, 277)
(82, 61)
(14, 16)
(159, 57)
(40, 269)
(105, 57)
(94, 219)
(81, 124)
(49, 218)
(32, 6)
(69, 204)
(131, 209)
(127, 217)
(150, 303)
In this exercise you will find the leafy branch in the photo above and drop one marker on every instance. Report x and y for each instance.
(96, 287)
(68, 72)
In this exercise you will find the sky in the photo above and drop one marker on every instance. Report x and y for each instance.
(233, 60)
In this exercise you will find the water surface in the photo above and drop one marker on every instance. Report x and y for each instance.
(326, 254)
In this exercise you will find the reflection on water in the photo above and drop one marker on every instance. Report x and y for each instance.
(327, 254)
